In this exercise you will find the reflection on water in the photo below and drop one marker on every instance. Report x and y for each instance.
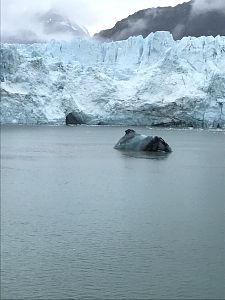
(81, 220)
(145, 155)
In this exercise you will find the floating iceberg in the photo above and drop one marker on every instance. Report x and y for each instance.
(133, 141)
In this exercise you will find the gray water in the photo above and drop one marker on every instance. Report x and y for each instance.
(82, 220)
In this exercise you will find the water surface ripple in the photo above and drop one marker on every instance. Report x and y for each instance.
(81, 220)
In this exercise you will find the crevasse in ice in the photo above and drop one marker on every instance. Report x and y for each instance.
(151, 81)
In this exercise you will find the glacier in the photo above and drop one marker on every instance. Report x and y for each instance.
(155, 81)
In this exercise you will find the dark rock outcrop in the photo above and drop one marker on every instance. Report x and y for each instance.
(74, 119)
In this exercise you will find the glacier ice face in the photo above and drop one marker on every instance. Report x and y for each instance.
(151, 81)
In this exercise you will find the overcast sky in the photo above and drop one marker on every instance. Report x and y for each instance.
(95, 15)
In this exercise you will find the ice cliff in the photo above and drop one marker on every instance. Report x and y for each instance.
(151, 81)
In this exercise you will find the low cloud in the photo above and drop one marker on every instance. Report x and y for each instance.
(178, 30)
(133, 26)
(96, 15)
(202, 6)
(23, 16)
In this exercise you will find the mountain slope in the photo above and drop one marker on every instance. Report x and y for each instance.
(47, 26)
(180, 20)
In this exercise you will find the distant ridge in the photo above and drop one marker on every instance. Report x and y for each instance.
(47, 26)
(179, 20)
